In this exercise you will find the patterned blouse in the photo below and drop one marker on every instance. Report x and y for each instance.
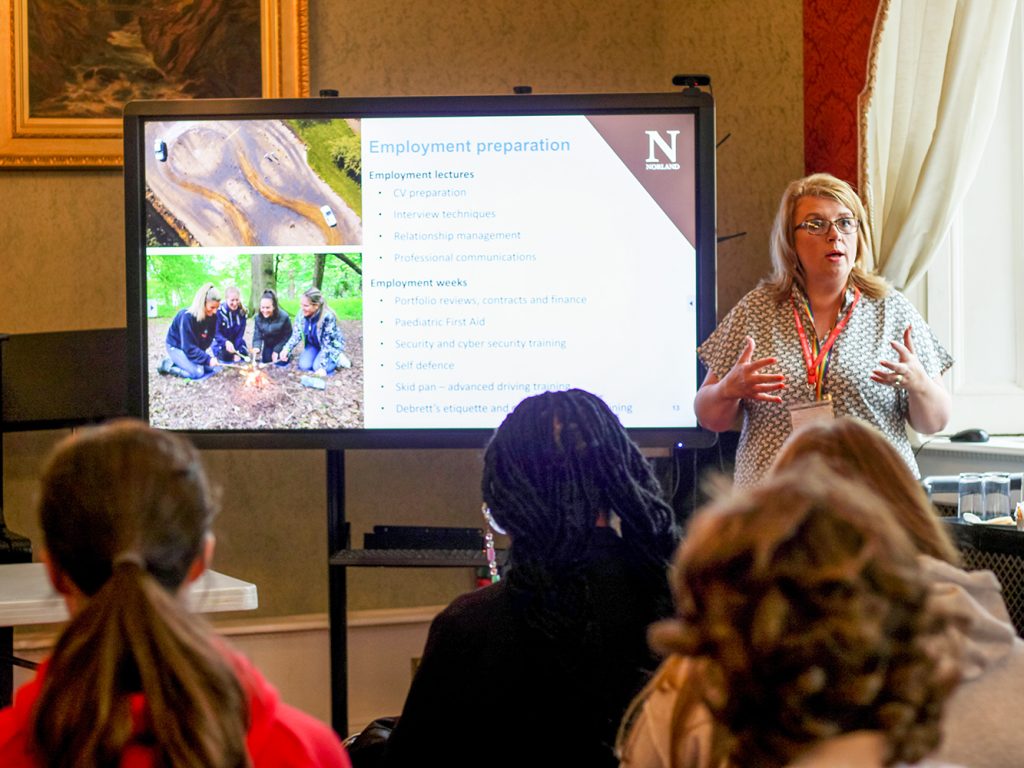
(857, 351)
(330, 339)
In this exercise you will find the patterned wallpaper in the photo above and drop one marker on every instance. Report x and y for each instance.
(62, 241)
(409, 47)
(837, 36)
(62, 268)
(61, 250)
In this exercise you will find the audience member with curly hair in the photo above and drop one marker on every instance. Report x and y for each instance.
(538, 668)
(993, 653)
(806, 630)
(859, 452)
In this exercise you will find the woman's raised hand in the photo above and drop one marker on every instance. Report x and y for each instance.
(745, 381)
(907, 372)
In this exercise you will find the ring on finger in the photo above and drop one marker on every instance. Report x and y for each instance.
(899, 379)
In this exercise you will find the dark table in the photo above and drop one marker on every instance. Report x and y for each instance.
(999, 549)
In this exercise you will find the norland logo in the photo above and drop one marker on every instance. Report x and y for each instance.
(668, 150)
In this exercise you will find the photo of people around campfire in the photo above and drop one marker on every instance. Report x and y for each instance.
(255, 342)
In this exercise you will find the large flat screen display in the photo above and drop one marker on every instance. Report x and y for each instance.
(462, 254)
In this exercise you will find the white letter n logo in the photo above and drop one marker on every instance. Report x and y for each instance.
(668, 149)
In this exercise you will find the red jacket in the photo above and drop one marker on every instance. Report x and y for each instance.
(279, 736)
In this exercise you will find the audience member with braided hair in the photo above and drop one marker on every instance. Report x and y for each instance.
(135, 680)
(810, 628)
(537, 669)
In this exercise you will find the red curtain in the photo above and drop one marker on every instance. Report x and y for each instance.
(837, 36)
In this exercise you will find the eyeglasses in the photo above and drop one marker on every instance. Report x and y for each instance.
(845, 225)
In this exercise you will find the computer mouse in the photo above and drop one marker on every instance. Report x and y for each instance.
(973, 435)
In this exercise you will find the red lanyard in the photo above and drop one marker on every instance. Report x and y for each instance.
(813, 364)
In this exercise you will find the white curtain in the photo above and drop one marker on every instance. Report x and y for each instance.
(935, 70)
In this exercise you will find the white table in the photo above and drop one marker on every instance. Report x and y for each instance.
(27, 597)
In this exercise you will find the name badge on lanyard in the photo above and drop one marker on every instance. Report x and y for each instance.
(807, 413)
(817, 367)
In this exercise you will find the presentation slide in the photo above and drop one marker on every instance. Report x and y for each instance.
(479, 260)
(508, 256)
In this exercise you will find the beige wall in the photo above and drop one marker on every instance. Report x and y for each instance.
(62, 262)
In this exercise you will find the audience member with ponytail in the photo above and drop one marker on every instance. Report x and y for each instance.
(135, 679)
(538, 668)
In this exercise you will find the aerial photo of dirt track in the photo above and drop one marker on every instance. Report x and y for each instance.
(239, 183)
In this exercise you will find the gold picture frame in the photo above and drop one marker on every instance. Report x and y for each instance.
(96, 142)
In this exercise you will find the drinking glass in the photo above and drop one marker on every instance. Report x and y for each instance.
(995, 492)
(969, 495)
(1016, 480)
(942, 490)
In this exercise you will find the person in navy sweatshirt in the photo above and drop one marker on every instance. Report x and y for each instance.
(190, 336)
(229, 339)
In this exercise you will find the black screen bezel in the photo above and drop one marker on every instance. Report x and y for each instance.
(137, 114)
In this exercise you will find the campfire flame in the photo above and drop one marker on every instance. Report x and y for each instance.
(255, 378)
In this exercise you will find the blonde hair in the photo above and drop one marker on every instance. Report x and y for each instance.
(856, 450)
(805, 608)
(786, 267)
(207, 292)
(316, 298)
(241, 304)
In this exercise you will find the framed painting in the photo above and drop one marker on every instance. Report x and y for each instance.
(69, 66)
